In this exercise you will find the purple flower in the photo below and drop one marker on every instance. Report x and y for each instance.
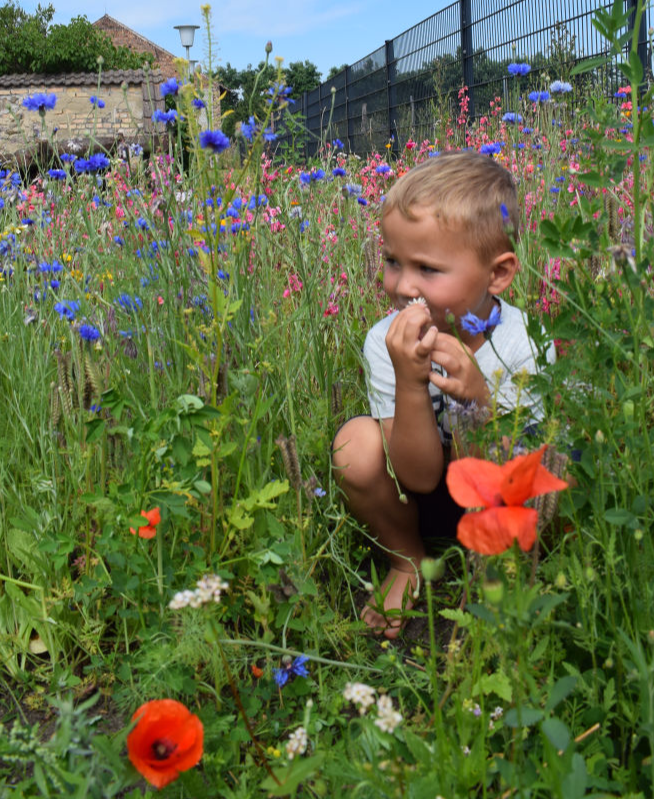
(214, 140)
(169, 87)
(40, 102)
(96, 101)
(519, 69)
(473, 324)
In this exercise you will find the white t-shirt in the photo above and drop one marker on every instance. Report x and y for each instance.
(510, 352)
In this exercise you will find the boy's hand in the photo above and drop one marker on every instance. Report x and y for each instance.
(410, 349)
(464, 379)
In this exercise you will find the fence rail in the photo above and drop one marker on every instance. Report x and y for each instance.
(395, 92)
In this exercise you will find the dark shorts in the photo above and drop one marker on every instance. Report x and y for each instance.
(438, 513)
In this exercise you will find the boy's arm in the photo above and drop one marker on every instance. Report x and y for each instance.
(414, 444)
(465, 381)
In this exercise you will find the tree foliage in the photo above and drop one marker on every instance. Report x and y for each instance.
(31, 44)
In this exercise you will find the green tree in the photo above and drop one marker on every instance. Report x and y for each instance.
(302, 76)
(31, 44)
(334, 71)
(245, 95)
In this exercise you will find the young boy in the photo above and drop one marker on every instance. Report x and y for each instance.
(447, 253)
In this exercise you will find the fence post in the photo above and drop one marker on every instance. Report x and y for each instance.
(466, 52)
(389, 57)
(642, 35)
(348, 122)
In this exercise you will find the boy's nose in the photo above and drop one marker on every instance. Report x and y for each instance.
(406, 287)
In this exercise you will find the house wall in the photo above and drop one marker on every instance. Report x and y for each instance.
(130, 96)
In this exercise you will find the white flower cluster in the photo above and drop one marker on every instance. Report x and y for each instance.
(387, 717)
(364, 697)
(297, 743)
(209, 589)
(361, 694)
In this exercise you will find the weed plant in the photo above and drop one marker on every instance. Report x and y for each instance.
(189, 339)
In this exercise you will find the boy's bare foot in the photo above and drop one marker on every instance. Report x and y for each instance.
(400, 584)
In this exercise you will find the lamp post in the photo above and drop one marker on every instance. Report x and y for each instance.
(187, 34)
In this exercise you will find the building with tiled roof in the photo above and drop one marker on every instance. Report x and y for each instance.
(122, 36)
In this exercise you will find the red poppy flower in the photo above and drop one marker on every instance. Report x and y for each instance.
(502, 492)
(148, 530)
(167, 740)
(256, 671)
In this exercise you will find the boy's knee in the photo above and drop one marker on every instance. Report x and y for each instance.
(357, 451)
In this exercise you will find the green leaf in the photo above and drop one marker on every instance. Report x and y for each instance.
(202, 486)
(560, 690)
(556, 733)
(528, 717)
(588, 64)
(94, 430)
(497, 683)
(291, 777)
(457, 615)
(618, 516)
(483, 613)
(574, 783)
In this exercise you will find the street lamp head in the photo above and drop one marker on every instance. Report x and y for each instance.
(187, 34)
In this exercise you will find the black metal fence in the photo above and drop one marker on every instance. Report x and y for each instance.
(400, 89)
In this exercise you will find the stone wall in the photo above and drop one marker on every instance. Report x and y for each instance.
(130, 97)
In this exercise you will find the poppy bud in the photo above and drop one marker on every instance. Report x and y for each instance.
(268, 47)
(432, 570)
(493, 592)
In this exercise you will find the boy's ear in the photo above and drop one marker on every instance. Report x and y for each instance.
(503, 271)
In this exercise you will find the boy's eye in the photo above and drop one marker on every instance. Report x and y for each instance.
(391, 263)
(428, 270)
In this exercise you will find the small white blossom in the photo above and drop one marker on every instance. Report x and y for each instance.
(387, 717)
(497, 713)
(417, 301)
(361, 694)
(297, 743)
(209, 589)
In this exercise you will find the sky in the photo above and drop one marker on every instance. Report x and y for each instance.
(327, 34)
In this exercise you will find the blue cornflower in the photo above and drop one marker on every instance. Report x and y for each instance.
(93, 164)
(67, 309)
(280, 93)
(304, 225)
(353, 189)
(135, 149)
(165, 117)
(171, 86)
(555, 189)
(621, 94)
(338, 172)
(539, 97)
(129, 304)
(57, 174)
(67, 157)
(490, 149)
(473, 324)
(362, 201)
(119, 240)
(269, 135)
(199, 104)
(337, 144)
(383, 169)
(142, 223)
(319, 492)
(511, 117)
(89, 333)
(295, 668)
(40, 102)
(214, 140)
(505, 213)
(527, 131)
(96, 101)
(248, 128)
(560, 87)
(519, 69)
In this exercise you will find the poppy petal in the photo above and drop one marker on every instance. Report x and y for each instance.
(492, 531)
(153, 516)
(525, 478)
(474, 483)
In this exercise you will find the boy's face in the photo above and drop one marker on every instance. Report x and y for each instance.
(423, 259)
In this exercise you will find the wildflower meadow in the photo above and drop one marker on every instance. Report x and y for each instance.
(180, 579)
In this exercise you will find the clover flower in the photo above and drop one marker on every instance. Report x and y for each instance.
(387, 717)
(291, 669)
(171, 86)
(519, 69)
(96, 101)
(362, 695)
(297, 743)
(560, 87)
(214, 140)
(208, 590)
(40, 102)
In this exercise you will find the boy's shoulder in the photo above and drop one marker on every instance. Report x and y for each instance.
(378, 331)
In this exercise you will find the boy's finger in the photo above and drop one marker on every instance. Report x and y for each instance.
(428, 342)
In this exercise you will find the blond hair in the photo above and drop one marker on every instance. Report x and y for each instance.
(467, 192)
